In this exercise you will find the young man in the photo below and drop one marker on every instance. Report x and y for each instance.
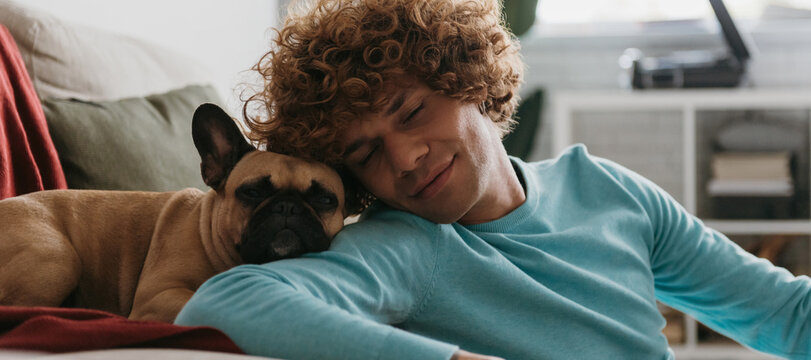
(468, 248)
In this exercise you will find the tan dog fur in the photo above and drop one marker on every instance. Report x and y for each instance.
(140, 254)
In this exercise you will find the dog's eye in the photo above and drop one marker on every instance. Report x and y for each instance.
(323, 202)
(320, 198)
(253, 193)
(326, 200)
(250, 193)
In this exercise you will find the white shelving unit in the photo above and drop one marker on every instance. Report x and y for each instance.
(682, 106)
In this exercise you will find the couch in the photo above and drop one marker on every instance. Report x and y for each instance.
(87, 109)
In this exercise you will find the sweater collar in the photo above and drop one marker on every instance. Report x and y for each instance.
(521, 213)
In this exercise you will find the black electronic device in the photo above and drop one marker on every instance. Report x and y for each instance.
(694, 69)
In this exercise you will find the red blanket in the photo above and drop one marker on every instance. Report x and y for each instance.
(65, 330)
(28, 159)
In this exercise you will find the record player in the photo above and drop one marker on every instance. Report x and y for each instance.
(695, 69)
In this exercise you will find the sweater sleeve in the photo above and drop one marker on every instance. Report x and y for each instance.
(336, 304)
(704, 274)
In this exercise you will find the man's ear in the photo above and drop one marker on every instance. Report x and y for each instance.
(219, 142)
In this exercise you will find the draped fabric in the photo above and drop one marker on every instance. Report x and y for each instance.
(65, 330)
(28, 158)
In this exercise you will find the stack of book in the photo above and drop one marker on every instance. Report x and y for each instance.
(751, 174)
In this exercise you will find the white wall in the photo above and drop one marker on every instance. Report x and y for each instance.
(228, 37)
(573, 62)
(590, 61)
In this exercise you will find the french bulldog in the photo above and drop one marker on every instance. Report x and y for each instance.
(143, 254)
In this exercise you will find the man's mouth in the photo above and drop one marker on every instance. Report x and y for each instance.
(436, 183)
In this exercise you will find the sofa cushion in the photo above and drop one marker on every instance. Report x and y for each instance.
(141, 143)
(66, 60)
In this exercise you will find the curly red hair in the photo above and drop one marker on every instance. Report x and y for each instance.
(332, 61)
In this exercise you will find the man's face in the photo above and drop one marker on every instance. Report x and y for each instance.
(425, 153)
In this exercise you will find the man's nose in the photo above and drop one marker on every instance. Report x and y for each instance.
(404, 152)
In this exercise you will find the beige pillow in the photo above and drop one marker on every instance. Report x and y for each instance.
(68, 60)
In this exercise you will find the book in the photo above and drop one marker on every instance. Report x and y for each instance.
(751, 187)
(751, 165)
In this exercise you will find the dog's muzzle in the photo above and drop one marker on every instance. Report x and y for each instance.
(283, 227)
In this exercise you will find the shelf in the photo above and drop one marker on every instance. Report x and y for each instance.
(760, 227)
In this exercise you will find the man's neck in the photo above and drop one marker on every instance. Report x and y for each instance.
(503, 195)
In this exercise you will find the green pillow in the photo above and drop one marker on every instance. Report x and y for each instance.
(129, 144)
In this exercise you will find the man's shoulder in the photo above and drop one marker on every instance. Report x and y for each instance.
(571, 161)
(575, 169)
(579, 154)
(378, 213)
(383, 225)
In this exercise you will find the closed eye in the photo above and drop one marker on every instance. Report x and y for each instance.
(369, 155)
(412, 114)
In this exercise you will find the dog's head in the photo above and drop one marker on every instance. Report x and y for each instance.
(271, 206)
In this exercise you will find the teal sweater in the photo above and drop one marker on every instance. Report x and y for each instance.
(573, 273)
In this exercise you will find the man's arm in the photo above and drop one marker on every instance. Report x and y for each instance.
(699, 271)
(330, 305)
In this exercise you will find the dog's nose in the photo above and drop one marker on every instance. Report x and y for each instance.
(286, 208)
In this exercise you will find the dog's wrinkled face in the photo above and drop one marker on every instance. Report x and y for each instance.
(271, 206)
(288, 206)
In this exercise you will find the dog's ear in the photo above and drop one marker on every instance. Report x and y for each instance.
(219, 142)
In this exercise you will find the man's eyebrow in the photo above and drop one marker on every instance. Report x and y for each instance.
(355, 145)
(397, 103)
